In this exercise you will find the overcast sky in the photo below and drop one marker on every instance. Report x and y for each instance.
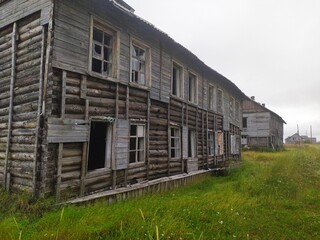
(269, 48)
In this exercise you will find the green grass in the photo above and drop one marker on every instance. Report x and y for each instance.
(272, 195)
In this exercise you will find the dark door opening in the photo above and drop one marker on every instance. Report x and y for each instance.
(97, 145)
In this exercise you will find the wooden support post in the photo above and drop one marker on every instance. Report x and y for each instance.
(47, 62)
(207, 120)
(84, 155)
(12, 82)
(36, 150)
(169, 141)
(148, 133)
(59, 170)
(114, 171)
(202, 129)
(181, 152)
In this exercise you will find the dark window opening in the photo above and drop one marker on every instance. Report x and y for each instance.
(244, 122)
(97, 145)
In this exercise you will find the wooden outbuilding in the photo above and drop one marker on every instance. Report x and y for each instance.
(93, 98)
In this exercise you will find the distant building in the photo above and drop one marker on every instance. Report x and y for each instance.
(297, 139)
(261, 126)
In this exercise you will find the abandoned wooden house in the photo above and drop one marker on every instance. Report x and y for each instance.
(94, 98)
(261, 126)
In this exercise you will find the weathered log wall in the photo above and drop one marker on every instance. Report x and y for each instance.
(21, 76)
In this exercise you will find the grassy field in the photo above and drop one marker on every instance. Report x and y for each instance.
(273, 195)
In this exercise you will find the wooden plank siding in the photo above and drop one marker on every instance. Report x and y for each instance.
(56, 97)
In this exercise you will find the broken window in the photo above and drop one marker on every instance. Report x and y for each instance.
(137, 143)
(192, 88)
(211, 142)
(177, 80)
(102, 51)
(219, 101)
(139, 64)
(175, 143)
(192, 143)
(99, 155)
(211, 97)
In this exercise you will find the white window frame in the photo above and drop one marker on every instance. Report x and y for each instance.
(211, 142)
(211, 98)
(138, 137)
(177, 88)
(147, 68)
(114, 33)
(192, 143)
(192, 88)
(175, 142)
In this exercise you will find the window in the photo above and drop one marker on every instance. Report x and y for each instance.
(137, 143)
(211, 97)
(175, 143)
(191, 144)
(244, 122)
(99, 155)
(177, 80)
(103, 48)
(237, 110)
(193, 88)
(231, 107)
(211, 143)
(219, 101)
(140, 63)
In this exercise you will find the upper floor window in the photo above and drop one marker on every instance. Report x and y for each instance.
(231, 107)
(193, 88)
(177, 80)
(237, 111)
(140, 63)
(244, 122)
(103, 50)
(211, 97)
(137, 143)
(219, 100)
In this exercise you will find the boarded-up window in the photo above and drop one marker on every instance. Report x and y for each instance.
(185, 141)
(219, 143)
(137, 143)
(219, 100)
(177, 80)
(99, 145)
(103, 50)
(193, 88)
(175, 138)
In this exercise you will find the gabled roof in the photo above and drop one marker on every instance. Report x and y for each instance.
(180, 50)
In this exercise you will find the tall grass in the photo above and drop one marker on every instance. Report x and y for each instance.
(272, 195)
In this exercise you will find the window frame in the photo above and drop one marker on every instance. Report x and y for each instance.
(194, 98)
(192, 144)
(139, 44)
(231, 107)
(211, 149)
(180, 88)
(211, 98)
(244, 122)
(109, 29)
(220, 101)
(177, 148)
(137, 149)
